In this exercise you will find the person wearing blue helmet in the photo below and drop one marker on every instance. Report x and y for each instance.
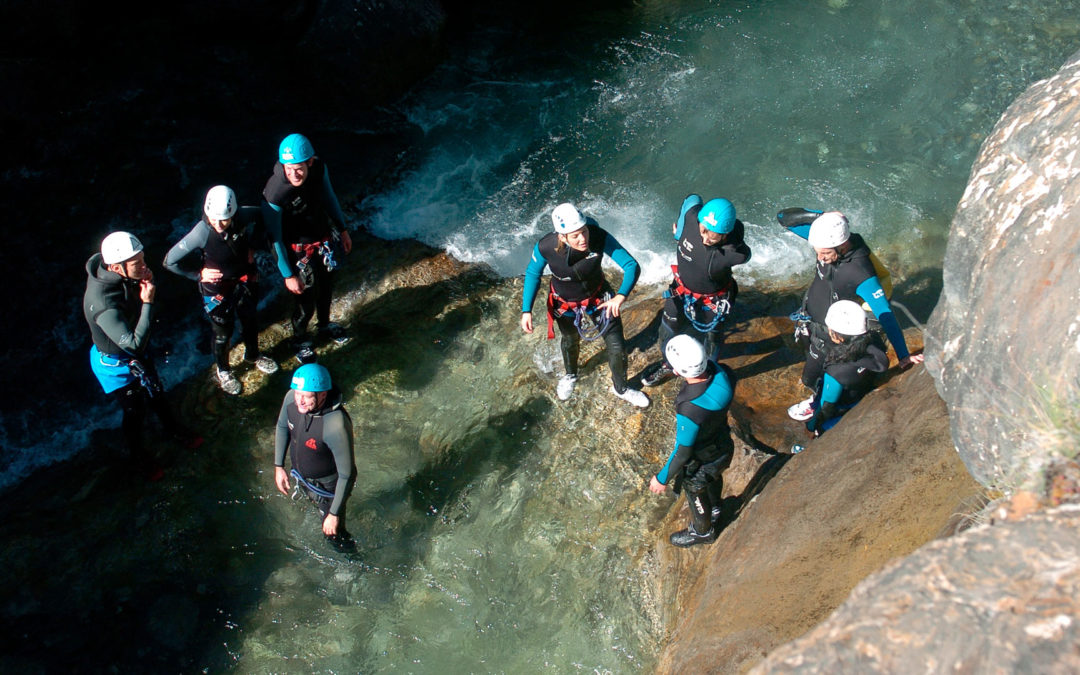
(710, 242)
(316, 432)
(306, 226)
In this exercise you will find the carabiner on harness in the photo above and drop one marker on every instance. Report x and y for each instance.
(327, 253)
(148, 380)
(307, 275)
(720, 311)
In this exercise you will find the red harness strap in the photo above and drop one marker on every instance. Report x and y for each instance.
(555, 303)
(307, 249)
(710, 300)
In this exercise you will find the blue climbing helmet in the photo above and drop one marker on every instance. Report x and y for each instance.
(717, 215)
(311, 377)
(294, 149)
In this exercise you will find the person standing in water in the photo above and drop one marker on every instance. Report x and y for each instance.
(219, 255)
(580, 301)
(315, 431)
(119, 308)
(703, 445)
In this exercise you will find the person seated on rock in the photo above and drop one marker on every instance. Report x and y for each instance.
(305, 223)
(702, 294)
(703, 445)
(314, 429)
(219, 254)
(851, 358)
(579, 300)
(845, 271)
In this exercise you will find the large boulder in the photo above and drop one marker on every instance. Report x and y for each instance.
(1004, 340)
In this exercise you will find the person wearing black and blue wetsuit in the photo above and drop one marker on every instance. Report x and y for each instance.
(703, 445)
(218, 253)
(119, 308)
(579, 295)
(852, 357)
(844, 271)
(711, 240)
(305, 223)
(315, 431)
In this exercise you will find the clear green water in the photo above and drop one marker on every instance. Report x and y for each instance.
(500, 531)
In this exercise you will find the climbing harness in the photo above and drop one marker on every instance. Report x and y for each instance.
(717, 303)
(312, 488)
(322, 248)
(590, 323)
(148, 380)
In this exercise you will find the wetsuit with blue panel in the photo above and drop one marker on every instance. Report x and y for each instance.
(120, 325)
(577, 286)
(304, 224)
(234, 296)
(703, 445)
(850, 370)
(851, 277)
(703, 291)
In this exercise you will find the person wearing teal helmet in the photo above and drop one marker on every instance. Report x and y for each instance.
(307, 228)
(710, 242)
(314, 429)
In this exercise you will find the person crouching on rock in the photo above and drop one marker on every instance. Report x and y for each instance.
(316, 432)
(579, 299)
(703, 445)
(852, 356)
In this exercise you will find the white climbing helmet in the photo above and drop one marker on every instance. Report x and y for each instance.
(220, 203)
(846, 317)
(566, 218)
(686, 356)
(119, 247)
(829, 230)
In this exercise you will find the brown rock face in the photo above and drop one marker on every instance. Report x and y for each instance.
(1004, 341)
(1000, 599)
(878, 485)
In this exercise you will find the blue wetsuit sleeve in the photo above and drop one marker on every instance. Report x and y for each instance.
(186, 256)
(532, 279)
(801, 230)
(623, 259)
(272, 221)
(333, 206)
(281, 434)
(831, 390)
(686, 431)
(874, 295)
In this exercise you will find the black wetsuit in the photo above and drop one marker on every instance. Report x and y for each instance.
(703, 445)
(234, 296)
(320, 444)
(120, 327)
(705, 270)
(845, 373)
(298, 220)
(576, 276)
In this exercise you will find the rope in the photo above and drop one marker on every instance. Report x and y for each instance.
(316, 490)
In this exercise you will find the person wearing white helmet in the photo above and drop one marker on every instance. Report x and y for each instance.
(703, 445)
(219, 255)
(845, 271)
(851, 359)
(710, 242)
(580, 300)
(307, 227)
(119, 308)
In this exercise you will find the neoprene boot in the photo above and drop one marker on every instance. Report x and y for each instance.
(689, 537)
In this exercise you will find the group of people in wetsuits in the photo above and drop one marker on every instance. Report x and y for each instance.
(844, 355)
(301, 220)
